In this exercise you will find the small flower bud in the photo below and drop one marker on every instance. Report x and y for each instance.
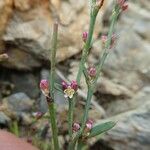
(84, 36)
(122, 4)
(89, 125)
(64, 85)
(75, 127)
(74, 85)
(104, 39)
(124, 7)
(44, 86)
(92, 72)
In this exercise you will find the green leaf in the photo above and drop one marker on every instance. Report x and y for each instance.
(101, 128)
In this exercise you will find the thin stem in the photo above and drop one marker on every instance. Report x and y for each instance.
(70, 118)
(52, 110)
(102, 58)
(52, 117)
(53, 59)
(87, 46)
(85, 115)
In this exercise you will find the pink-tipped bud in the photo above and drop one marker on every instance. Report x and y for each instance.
(64, 85)
(90, 121)
(84, 36)
(89, 125)
(44, 86)
(75, 127)
(104, 39)
(92, 71)
(74, 85)
(122, 4)
(38, 115)
(124, 7)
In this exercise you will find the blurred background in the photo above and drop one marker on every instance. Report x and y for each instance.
(122, 94)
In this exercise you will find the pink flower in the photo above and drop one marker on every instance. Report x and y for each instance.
(64, 85)
(74, 85)
(44, 86)
(69, 89)
(122, 4)
(84, 36)
(75, 127)
(89, 125)
(92, 71)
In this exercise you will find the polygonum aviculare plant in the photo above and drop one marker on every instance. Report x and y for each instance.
(85, 129)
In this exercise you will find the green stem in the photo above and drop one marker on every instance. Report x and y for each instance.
(102, 58)
(70, 118)
(52, 111)
(53, 60)
(85, 115)
(87, 46)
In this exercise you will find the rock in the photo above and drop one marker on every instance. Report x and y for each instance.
(6, 12)
(16, 105)
(132, 130)
(114, 107)
(139, 20)
(15, 60)
(22, 5)
(123, 63)
(26, 82)
(106, 86)
(28, 33)
(4, 120)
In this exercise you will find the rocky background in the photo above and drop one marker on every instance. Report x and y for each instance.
(123, 93)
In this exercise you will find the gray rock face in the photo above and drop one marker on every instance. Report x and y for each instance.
(31, 36)
(132, 130)
(19, 102)
(26, 82)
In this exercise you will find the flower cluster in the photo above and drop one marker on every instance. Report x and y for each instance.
(122, 4)
(69, 89)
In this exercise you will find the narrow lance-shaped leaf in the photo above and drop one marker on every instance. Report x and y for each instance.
(101, 128)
